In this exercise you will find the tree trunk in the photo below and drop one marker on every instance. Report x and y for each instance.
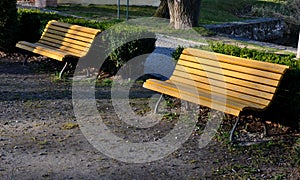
(171, 11)
(162, 10)
(184, 13)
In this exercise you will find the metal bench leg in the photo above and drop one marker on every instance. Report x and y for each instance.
(25, 59)
(60, 73)
(265, 129)
(233, 129)
(88, 74)
(187, 105)
(157, 104)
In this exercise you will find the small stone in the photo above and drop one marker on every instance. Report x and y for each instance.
(42, 153)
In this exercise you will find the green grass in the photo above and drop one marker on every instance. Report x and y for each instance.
(212, 11)
(106, 12)
(218, 11)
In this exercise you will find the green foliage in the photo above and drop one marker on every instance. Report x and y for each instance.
(256, 55)
(176, 54)
(32, 23)
(297, 152)
(219, 11)
(8, 23)
(288, 10)
(29, 26)
(125, 42)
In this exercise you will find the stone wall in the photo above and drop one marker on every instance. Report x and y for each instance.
(38, 3)
(51, 3)
(263, 29)
(111, 2)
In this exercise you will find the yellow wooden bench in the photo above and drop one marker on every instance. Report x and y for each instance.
(60, 41)
(221, 82)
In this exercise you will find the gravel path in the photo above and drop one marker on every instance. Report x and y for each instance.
(40, 137)
(160, 62)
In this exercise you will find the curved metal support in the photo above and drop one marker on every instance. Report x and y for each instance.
(60, 73)
(157, 103)
(187, 105)
(233, 129)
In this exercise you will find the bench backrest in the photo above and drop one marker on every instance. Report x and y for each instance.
(240, 78)
(73, 39)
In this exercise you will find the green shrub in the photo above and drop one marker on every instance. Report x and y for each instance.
(29, 25)
(8, 23)
(176, 54)
(32, 23)
(126, 42)
(256, 55)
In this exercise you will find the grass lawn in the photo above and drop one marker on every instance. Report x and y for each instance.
(212, 11)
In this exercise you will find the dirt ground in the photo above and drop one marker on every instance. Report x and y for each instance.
(41, 139)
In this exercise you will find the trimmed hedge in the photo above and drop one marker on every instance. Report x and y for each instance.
(8, 23)
(126, 42)
(256, 55)
(27, 16)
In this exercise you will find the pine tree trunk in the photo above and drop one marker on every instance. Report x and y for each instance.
(162, 10)
(184, 13)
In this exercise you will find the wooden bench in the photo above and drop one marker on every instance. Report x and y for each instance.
(60, 41)
(221, 82)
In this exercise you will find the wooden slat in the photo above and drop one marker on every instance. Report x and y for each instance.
(45, 52)
(193, 98)
(33, 45)
(69, 38)
(83, 49)
(213, 95)
(67, 50)
(233, 67)
(211, 78)
(225, 91)
(195, 68)
(76, 27)
(71, 33)
(205, 77)
(277, 68)
(69, 41)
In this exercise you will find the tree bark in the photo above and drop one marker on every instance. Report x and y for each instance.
(184, 14)
(162, 10)
(171, 11)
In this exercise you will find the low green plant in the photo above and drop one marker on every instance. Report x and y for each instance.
(176, 54)
(256, 55)
(104, 83)
(34, 21)
(297, 152)
(125, 42)
(30, 27)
